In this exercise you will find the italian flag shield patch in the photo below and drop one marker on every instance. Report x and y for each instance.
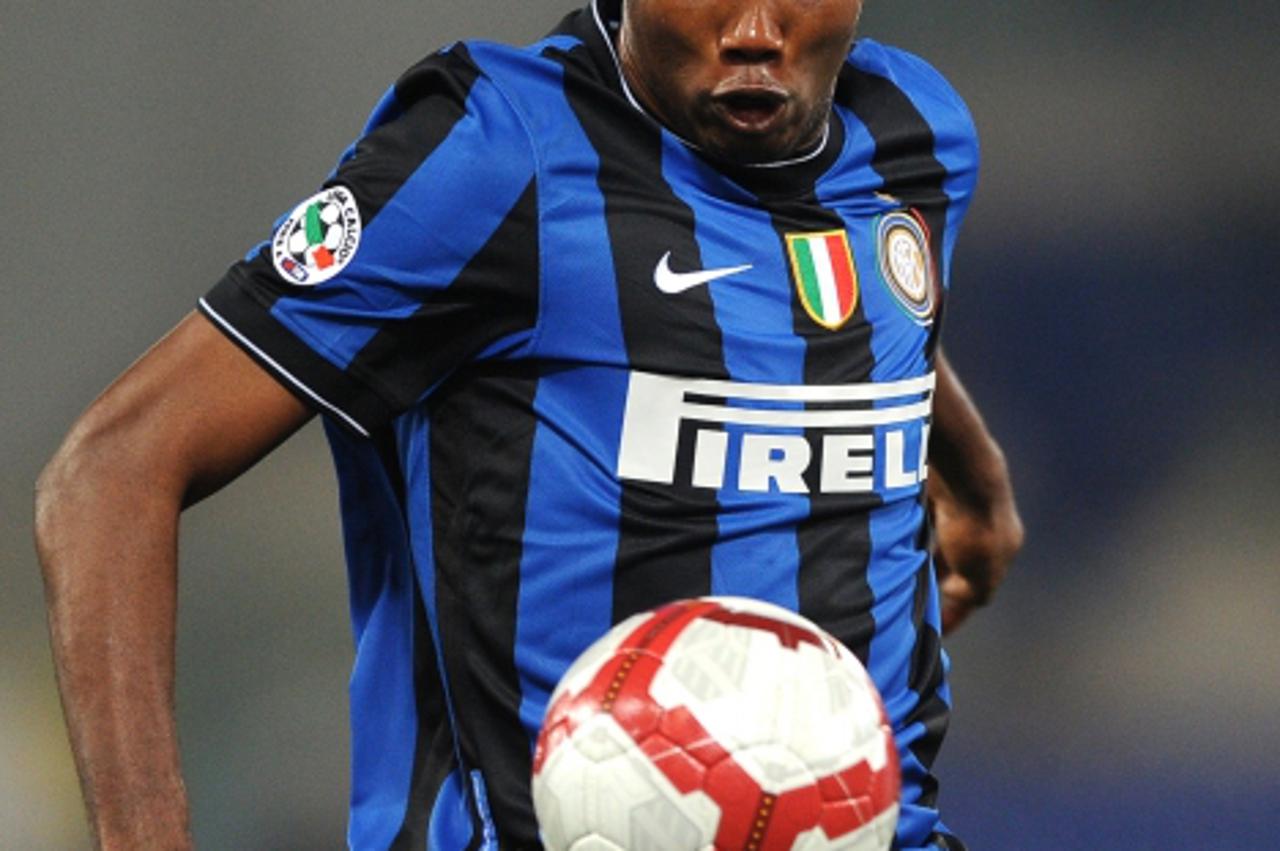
(825, 275)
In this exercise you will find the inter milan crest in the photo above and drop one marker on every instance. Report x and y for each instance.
(318, 239)
(906, 264)
(825, 275)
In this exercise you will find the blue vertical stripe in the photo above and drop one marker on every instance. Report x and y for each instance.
(757, 554)
(566, 603)
(489, 834)
(571, 471)
(450, 825)
(381, 688)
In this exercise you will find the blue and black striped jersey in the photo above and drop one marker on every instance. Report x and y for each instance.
(571, 369)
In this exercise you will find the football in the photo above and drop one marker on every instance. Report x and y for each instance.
(716, 723)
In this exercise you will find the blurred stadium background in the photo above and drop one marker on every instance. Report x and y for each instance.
(1115, 305)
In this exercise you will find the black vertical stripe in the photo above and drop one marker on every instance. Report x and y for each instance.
(666, 531)
(835, 539)
(481, 446)
(904, 157)
(927, 672)
(432, 745)
(925, 678)
(433, 756)
(432, 96)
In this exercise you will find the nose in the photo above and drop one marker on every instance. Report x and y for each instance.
(753, 36)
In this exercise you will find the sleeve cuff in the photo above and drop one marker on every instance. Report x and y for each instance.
(320, 384)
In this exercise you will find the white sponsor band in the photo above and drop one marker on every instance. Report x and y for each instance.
(864, 448)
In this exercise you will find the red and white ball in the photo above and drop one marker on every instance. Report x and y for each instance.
(717, 723)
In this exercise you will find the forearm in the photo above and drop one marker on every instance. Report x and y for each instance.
(187, 418)
(963, 453)
(107, 546)
(977, 529)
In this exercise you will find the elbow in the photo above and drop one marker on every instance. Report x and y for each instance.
(1007, 531)
(60, 491)
(101, 477)
(54, 490)
(53, 487)
(1005, 537)
(1015, 534)
(993, 499)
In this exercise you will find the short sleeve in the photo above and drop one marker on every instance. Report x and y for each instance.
(418, 254)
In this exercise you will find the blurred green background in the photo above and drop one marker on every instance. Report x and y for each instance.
(1115, 303)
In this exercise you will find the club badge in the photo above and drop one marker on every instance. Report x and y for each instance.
(318, 239)
(906, 264)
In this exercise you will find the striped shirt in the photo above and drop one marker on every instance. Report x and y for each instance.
(572, 369)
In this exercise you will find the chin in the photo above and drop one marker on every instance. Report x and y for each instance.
(783, 141)
(747, 150)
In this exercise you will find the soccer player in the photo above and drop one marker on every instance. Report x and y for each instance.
(646, 310)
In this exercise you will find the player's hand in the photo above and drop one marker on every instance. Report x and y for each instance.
(974, 546)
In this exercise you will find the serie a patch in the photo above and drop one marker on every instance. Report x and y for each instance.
(825, 275)
(906, 263)
(318, 239)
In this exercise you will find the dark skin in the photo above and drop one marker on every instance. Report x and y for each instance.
(188, 417)
(195, 412)
(746, 82)
(752, 81)
(977, 529)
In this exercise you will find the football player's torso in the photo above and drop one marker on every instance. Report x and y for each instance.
(718, 381)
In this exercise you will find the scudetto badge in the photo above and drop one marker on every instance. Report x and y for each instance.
(318, 239)
(825, 276)
(906, 264)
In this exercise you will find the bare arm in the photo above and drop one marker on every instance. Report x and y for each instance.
(188, 417)
(978, 531)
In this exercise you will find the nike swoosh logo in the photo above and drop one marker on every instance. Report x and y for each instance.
(677, 282)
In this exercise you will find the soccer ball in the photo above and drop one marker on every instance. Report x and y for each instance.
(716, 723)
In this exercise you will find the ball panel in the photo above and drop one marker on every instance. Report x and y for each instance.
(598, 783)
(874, 835)
(722, 721)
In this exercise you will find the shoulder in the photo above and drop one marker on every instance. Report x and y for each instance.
(911, 73)
(480, 82)
(485, 66)
(890, 74)
(446, 106)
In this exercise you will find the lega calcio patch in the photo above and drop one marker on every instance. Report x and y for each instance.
(906, 264)
(318, 239)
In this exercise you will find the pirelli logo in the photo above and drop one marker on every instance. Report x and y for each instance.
(845, 438)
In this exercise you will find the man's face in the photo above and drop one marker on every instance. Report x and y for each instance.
(745, 80)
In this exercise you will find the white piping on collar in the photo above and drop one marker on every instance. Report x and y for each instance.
(626, 90)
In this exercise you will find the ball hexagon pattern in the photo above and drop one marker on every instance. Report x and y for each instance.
(715, 724)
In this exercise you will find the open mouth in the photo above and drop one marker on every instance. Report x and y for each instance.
(751, 109)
